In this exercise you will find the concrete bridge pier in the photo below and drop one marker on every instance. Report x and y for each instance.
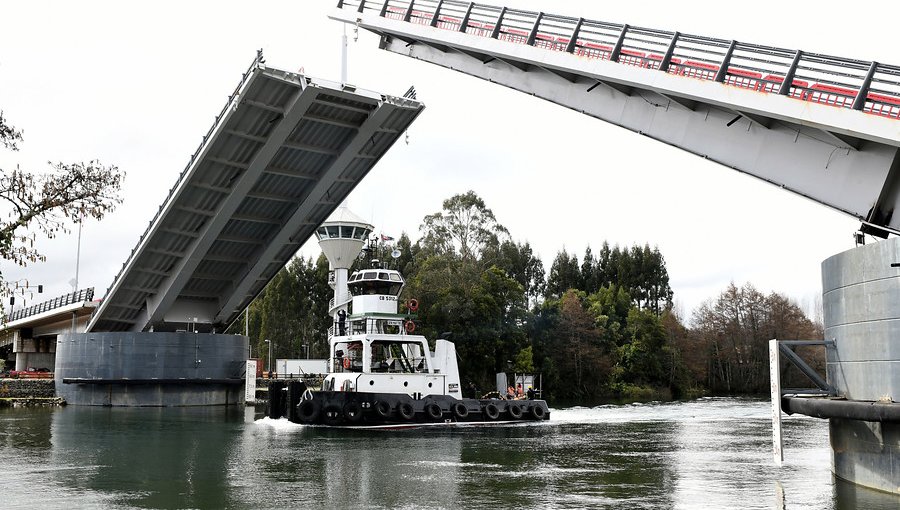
(150, 369)
(861, 298)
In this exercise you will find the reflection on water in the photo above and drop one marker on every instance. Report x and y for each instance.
(710, 453)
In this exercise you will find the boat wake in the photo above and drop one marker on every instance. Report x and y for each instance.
(280, 425)
(705, 410)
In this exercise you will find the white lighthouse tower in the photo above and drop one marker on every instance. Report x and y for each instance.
(342, 237)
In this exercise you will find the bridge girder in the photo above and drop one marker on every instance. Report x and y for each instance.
(842, 158)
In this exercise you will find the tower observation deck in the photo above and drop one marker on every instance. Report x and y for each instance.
(825, 127)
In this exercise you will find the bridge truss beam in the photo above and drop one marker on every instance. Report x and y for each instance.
(844, 158)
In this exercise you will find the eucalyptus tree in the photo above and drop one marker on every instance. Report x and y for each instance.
(465, 227)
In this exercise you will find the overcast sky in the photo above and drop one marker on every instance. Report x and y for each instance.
(137, 84)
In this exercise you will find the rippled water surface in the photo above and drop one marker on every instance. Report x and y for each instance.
(709, 453)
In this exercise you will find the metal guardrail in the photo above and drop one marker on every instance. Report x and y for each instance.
(258, 62)
(73, 297)
(871, 87)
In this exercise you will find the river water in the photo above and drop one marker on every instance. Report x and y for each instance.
(710, 453)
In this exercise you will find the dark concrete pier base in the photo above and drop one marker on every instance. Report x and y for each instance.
(861, 298)
(150, 369)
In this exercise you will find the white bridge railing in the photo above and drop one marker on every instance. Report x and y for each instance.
(870, 87)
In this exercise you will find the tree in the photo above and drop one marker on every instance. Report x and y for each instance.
(46, 202)
(522, 265)
(590, 280)
(465, 227)
(579, 356)
(735, 329)
(564, 274)
(292, 311)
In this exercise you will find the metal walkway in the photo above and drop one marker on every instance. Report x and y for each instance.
(825, 127)
(280, 157)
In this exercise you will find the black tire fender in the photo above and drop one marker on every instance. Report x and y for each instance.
(308, 411)
(515, 411)
(405, 409)
(382, 409)
(434, 411)
(352, 411)
(460, 411)
(537, 412)
(491, 412)
(332, 414)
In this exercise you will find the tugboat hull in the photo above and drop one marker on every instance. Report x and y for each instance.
(294, 401)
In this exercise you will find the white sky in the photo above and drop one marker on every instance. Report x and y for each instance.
(137, 84)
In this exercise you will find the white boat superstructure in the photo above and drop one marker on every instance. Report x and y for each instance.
(382, 374)
(373, 349)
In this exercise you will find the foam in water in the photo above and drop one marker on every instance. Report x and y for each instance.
(280, 425)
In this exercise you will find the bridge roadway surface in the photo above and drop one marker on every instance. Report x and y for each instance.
(284, 152)
(824, 127)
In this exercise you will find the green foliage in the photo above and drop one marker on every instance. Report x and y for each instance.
(640, 270)
(292, 312)
(522, 265)
(603, 328)
(465, 227)
(524, 362)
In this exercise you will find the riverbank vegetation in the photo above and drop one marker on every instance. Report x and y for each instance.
(602, 327)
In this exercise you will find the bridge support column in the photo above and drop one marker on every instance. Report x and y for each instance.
(862, 315)
(150, 369)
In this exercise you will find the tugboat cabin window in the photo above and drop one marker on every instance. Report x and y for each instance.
(398, 357)
(375, 282)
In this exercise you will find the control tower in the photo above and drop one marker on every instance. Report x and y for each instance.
(342, 237)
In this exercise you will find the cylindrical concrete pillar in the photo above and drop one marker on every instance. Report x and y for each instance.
(861, 299)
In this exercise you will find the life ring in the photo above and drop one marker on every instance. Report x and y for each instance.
(352, 412)
(382, 409)
(412, 304)
(410, 326)
(346, 362)
(515, 411)
(460, 411)
(491, 412)
(406, 410)
(537, 412)
(332, 414)
(434, 411)
(308, 411)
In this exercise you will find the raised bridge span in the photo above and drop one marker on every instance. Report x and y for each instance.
(282, 154)
(280, 157)
(821, 126)
(825, 127)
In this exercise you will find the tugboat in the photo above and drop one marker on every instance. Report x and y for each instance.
(381, 374)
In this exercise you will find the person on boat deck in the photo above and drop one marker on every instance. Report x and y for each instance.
(510, 393)
(342, 323)
(519, 393)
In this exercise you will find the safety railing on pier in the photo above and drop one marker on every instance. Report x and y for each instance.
(73, 297)
(871, 87)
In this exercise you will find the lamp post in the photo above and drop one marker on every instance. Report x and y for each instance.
(306, 349)
(269, 359)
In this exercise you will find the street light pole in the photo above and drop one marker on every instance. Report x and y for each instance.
(269, 359)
